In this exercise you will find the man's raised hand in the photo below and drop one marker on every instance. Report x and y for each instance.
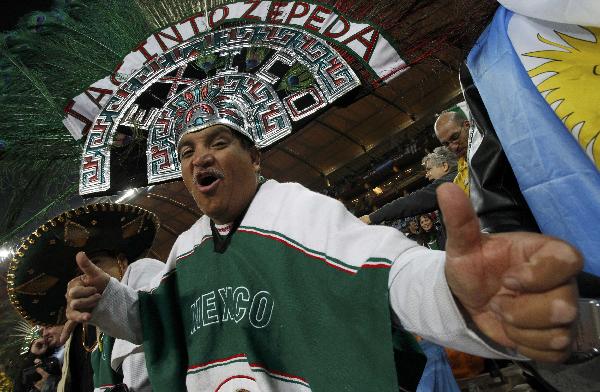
(83, 294)
(518, 288)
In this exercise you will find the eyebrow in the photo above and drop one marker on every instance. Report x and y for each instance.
(208, 136)
(186, 143)
(215, 133)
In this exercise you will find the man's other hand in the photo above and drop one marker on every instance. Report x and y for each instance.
(518, 288)
(83, 294)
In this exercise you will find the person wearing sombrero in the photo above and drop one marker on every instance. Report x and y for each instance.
(114, 236)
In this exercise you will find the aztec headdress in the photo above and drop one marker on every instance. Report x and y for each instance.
(200, 115)
(280, 63)
(257, 77)
(45, 262)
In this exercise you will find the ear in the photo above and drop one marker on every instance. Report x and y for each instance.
(122, 258)
(255, 157)
(446, 166)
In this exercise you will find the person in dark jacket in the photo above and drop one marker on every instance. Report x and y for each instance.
(440, 167)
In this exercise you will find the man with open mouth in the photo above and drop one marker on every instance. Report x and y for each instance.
(278, 288)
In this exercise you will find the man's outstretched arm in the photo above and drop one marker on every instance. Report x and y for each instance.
(97, 298)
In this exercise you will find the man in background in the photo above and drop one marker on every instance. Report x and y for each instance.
(440, 167)
(452, 130)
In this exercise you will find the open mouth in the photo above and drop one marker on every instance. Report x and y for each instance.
(207, 179)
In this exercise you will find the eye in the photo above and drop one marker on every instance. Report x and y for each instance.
(219, 143)
(185, 152)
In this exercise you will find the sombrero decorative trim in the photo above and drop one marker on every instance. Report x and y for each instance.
(45, 262)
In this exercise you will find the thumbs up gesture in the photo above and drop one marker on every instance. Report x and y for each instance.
(83, 294)
(518, 288)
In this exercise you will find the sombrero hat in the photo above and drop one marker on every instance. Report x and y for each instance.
(45, 262)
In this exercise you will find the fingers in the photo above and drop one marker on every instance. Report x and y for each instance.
(80, 292)
(550, 266)
(81, 300)
(83, 294)
(78, 317)
(544, 331)
(85, 303)
(552, 339)
(92, 275)
(86, 266)
(38, 347)
(555, 308)
(462, 225)
(42, 373)
(67, 330)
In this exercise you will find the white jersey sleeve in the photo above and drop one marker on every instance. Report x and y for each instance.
(418, 292)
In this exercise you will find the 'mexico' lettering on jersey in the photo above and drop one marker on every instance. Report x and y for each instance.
(229, 304)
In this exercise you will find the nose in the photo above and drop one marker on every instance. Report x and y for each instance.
(202, 158)
(453, 146)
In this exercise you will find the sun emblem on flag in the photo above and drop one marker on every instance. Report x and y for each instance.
(573, 88)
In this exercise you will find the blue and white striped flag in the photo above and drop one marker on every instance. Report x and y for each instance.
(540, 82)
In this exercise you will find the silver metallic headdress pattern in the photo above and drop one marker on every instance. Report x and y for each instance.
(201, 113)
(258, 74)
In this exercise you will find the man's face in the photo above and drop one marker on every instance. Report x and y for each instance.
(52, 335)
(219, 172)
(452, 135)
(435, 172)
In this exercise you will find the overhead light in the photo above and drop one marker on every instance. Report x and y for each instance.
(377, 190)
(5, 252)
(128, 193)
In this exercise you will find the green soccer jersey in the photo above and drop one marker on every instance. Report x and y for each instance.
(302, 299)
